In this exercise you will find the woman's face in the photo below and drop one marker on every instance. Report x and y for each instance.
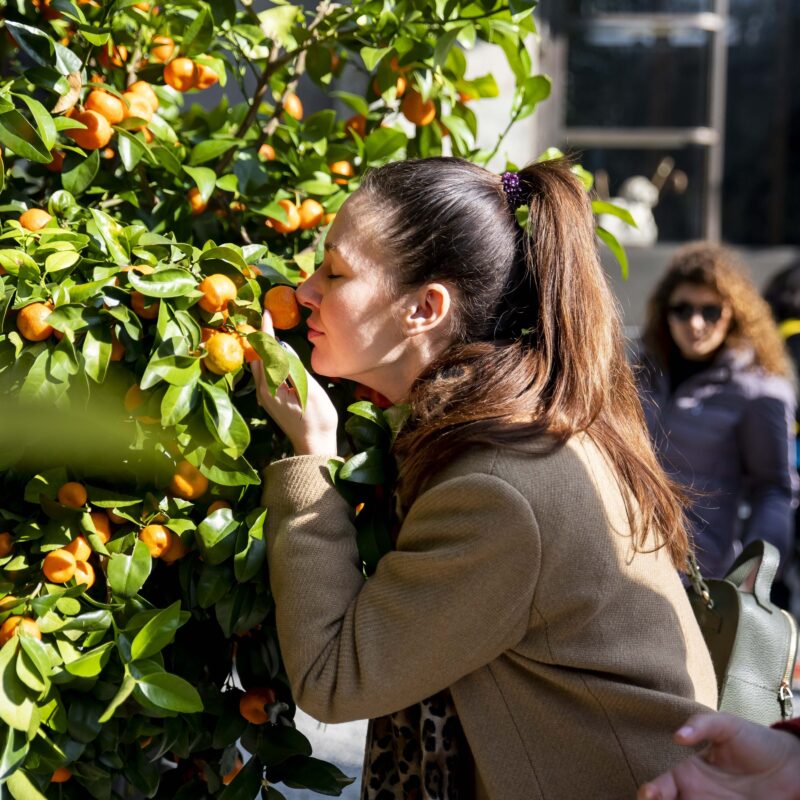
(699, 320)
(355, 325)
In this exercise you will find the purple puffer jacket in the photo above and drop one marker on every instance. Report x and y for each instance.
(727, 432)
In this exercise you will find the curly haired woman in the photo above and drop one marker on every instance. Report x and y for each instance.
(719, 400)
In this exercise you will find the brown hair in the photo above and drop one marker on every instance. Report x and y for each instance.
(717, 267)
(538, 346)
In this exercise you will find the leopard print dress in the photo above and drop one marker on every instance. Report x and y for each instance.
(419, 753)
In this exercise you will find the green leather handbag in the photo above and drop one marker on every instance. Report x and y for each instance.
(753, 643)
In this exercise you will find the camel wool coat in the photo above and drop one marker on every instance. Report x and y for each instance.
(570, 658)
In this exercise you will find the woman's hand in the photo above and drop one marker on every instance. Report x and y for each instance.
(312, 432)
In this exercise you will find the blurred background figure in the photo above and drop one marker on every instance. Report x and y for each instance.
(783, 295)
(717, 391)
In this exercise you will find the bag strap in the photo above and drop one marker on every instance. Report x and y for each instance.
(696, 577)
(765, 558)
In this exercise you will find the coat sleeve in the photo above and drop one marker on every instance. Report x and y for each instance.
(768, 452)
(455, 594)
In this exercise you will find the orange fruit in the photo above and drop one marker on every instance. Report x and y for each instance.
(357, 124)
(95, 135)
(25, 624)
(59, 566)
(416, 110)
(102, 525)
(156, 537)
(61, 775)
(252, 702)
(237, 768)
(311, 213)
(204, 77)
(292, 105)
(400, 86)
(142, 7)
(292, 218)
(224, 353)
(32, 322)
(465, 97)
(180, 74)
(163, 48)
(107, 153)
(267, 152)
(249, 352)
(188, 482)
(138, 106)
(79, 548)
(34, 219)
(73, 495)
(9, 601)
(134, 398)
(145, 90)
(57, 164)
(84, 573)
(149, 311)
(281, 303)
(176, 549)
(344, 168)
(6, 544)
(218, 290)
(328, 218)
(115, 518)
(43, 6)
(196, 201)
(117, 348)
(216, 506)
(117, 57)
(106, 104)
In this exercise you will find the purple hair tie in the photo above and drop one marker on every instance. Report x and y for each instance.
(512, 188)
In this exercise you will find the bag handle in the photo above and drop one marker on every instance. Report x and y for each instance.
(762, 557)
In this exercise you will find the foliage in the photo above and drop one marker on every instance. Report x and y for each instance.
(136, 682)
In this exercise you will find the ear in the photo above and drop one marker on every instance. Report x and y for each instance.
(426, 310)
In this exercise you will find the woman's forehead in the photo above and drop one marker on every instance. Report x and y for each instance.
(353, 235)
(695, 292)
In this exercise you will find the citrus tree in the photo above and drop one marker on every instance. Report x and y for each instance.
(142, 233)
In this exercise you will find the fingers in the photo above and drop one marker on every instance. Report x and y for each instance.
(712, 727)
(266, 323)
(662, 788)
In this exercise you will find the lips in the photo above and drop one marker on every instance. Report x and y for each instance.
(313, 332)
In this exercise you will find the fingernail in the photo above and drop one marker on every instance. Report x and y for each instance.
(685, 731)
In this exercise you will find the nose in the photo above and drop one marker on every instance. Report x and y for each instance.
(307, 293)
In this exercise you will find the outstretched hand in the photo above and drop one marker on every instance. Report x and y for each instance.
(743, 761)
(311, 432)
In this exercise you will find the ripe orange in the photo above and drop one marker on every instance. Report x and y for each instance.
(237, 768)
(34, 219)
(106, 104)
(180, 74)
(156, 537)
(32, 322)
(196, 201)
(328, 218)
(249, 352)
(204, 77)
(84, 573)
(252, 702)
(73, 495)
(267, 152)
(79, 548)
(61, 775)
(145, 90)
(59, 566)
(218, 290)
(134, 398)
(400, 86)
(163, 48)
(293, 106)
(9, 601)
(6, 544)
(188, 482)
(57, 164)
(26, 625)
(344, 168)
(46, 11)
(224, 353)
(138, 106)
(311, 213)
(95, 135)
(417, 111)
(116, 58)
(465, 97)
(117, 348)
(176, 549)
(149, 311)
(292, 218)
(357, 124)
(281, 303)
(216, 506)
(102, 525)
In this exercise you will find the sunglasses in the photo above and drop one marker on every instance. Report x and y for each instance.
(710, 313)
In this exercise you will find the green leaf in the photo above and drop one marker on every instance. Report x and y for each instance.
(616, 248)
(13, 749)
(384, 143)
(125, 689)
(22, 788)
(365, 467)
(17, 707)
(601, 207)
(170, 692)
(274, 358)
(216, 536)
(21, 137)
(223, 420)
(311, 773)
(97, 353)
(158, 632)
(131, 149)
(355, 101)
(179, 401)
(277, 23)
(91, 664)
(533, 91)
(80, 178)
(168, 282)
(250, 551)
(443, 45)
(127, 574)
(198, 36)
(205, 178)
(35, 42)
(209, 149)
(44, 122)
(372, 55)
(109, 230)
(246, 784)
(280, 742)
(29, 673)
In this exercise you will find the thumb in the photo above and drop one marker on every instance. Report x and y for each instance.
(266, 323)
(712, 727)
